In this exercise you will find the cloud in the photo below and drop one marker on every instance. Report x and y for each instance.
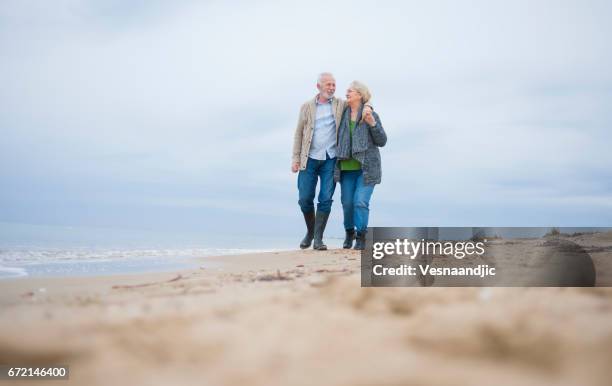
(193, 105)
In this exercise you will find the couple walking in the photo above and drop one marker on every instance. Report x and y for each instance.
(337, 141)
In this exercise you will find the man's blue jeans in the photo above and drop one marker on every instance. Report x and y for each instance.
(307, 184)
(355, 197)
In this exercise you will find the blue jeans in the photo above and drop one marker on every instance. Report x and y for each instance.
(307, 184)
(355, 197)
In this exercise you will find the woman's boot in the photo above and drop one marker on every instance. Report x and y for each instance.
(360, 240)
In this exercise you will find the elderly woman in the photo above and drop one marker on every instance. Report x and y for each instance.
(358, 167)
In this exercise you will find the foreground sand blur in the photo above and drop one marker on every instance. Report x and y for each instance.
(301, 318)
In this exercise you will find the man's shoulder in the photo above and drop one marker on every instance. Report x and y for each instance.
(307, 104)
(309, 101)
(341, 107)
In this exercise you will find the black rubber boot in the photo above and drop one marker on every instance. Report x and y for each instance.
(310, 225)
(319, 228)
(360, 240)
(348, 239)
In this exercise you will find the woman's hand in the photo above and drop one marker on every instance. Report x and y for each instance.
(368, 117)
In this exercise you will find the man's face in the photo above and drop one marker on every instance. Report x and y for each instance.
(327, 87)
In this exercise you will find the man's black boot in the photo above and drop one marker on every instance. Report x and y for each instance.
(319, 228)
(310, 225)
(348, 239)
(360, 240)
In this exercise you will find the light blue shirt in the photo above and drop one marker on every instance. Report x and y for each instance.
(324, 133)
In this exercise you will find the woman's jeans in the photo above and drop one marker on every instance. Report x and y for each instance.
(307, 184)
(355, 197)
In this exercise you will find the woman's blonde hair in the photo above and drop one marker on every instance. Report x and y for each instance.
(362, 89)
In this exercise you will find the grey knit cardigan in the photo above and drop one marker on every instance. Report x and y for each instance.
(366, 141)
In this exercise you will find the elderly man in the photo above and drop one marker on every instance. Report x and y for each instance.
(314, 156)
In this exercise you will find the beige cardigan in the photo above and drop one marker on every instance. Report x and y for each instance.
(305, 127)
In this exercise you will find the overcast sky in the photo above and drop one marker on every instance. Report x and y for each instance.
(179, 115)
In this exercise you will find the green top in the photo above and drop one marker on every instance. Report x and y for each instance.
(350, 164)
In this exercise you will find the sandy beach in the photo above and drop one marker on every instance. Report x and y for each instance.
(301, 318)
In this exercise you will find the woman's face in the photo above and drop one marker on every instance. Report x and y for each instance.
(352, 95)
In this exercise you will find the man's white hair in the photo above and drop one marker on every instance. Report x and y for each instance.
(323, 75)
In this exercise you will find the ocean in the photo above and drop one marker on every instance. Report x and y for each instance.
(47, 250)
(28, 250)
